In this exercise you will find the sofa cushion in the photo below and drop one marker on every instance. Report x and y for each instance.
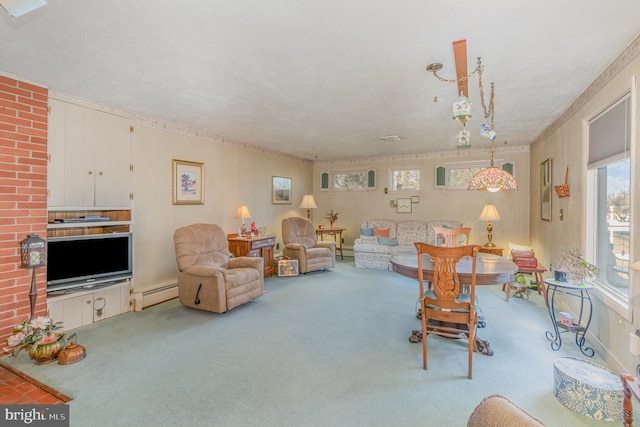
(411, 231)
(384, 232)
(388, 241)
(366, 231)
(381, 224)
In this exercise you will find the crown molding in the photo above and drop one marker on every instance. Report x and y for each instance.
(447, 154)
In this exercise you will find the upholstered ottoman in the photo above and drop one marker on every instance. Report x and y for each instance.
(588, 389)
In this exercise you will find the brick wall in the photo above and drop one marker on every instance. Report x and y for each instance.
(23, 196)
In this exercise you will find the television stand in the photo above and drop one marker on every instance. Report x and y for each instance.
(81, 307)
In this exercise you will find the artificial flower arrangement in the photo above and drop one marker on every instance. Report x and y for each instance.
(331, 216)
(33, 333)
(577, 268)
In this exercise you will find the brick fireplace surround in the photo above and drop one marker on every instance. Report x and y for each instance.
(23, 196)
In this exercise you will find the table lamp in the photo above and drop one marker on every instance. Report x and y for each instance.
(33, 254)
(241, 213)
(308, 203)
(489, 214)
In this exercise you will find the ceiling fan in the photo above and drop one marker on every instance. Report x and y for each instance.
(460, 58)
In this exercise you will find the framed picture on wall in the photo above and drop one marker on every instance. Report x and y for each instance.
(281, 191)
(545, 190)
(187, 183)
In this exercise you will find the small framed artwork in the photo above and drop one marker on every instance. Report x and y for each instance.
(545, 190)
(281, 191)
(187, 183)
(403, 205)
(415, 199)
(287, 267)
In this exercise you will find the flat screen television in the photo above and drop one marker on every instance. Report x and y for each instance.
(88, 260)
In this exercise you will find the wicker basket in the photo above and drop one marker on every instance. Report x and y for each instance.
(563, 189)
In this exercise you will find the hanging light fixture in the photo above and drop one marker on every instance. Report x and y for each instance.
(492, 178)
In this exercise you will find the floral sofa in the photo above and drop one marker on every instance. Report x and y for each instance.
(375, 251)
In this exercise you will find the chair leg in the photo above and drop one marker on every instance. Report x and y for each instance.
(542, 289)
(424, 340)
(508, 285)
(472, 344)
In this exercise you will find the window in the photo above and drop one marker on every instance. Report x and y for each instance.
(609, 200)
(456, 176)
(363, 180)
(404, 179)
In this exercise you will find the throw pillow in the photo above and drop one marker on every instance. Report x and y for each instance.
(366, 231)
(384, 232)
(388, 241)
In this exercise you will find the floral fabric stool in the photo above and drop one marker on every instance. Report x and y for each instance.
(588, 389)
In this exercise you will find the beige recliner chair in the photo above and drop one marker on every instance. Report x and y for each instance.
(301, 243)
(209, 279)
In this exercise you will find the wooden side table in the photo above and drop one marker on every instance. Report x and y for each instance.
(261, 246)
(337, 236)
(491, 250)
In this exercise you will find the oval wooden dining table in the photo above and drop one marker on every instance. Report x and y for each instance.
(490, 269)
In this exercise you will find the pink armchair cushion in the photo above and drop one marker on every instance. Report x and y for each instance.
(201, 244)
(298, 231)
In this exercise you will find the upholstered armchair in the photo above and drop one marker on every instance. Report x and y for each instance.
(301, 243)
(208, 278)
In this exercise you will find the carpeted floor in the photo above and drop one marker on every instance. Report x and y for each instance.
(323, 349)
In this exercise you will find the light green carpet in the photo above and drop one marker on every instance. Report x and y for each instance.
(323, 349)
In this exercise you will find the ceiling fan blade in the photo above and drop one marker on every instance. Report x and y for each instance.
(460, 56)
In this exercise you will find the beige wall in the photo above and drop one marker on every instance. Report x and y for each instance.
(233, 175)
(566, 145)
(434, 204)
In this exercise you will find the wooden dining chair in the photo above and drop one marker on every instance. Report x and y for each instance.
(446, 310)
(452, 236)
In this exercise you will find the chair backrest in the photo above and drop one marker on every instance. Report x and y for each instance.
(299, 230)
(446, 284)
(451, 237)
(201, 244)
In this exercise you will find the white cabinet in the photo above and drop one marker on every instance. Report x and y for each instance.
(89, 157)
(89, 306)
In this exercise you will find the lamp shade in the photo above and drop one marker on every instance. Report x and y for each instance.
(489, 213)
(242, 212)
(308, 202)
(493, 179)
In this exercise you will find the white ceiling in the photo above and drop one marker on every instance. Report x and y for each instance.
(321, 79)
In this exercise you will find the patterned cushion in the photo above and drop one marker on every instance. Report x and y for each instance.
(410, 231)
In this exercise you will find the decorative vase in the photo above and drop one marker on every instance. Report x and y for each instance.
(331, 224)
(47, 353)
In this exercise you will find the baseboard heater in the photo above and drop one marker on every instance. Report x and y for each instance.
(160, 294)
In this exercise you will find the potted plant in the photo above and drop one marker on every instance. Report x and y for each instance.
(39, 337)
(573, 266)
(331, 217)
